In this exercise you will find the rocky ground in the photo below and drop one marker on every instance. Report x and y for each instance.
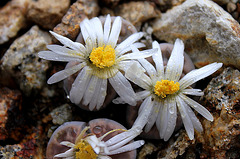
(30, 110)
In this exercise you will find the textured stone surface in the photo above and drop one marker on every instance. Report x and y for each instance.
(137, 12)
(209, 33)
(147, 149)
(178, 147)
(22, 62)
(10, 113)
(224, 92)
(221, 137)
(80, 10)
(47, 14)
(61, 114)
(12, 19)
(30, 147)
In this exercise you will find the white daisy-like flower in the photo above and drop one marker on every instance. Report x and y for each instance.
(165, 93)
(99, 61)
(91, 147)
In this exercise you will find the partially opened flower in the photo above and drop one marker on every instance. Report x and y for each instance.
(98, 62)
(93, 144)
(165, 93)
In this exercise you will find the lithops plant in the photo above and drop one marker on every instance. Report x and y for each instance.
(97, 63)
(98, 139)
(165, 93)
(132, 112)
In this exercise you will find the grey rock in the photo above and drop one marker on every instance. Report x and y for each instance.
(22, 62)
(177, 147)
(61, 114)
(209, 33)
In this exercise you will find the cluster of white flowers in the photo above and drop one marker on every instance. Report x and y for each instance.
(102, 60)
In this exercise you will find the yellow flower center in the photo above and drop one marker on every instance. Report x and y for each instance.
(103, 56)
(84, 150)
(165, 87)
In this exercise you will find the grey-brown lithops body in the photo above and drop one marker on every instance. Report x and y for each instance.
(94, 140)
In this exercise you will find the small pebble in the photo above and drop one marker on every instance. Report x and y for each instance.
(231, 7)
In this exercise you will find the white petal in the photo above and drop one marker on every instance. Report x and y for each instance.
(65, 73)
(153, 116)
(157, 58)
(198, 107)
(185, 117)
(124, 65)
(69, 43)
(144, 113)
(127, 49)
(90, 90)
(164, 119)
(107, 27)
(128, 147)
(98, 30)
(140, 95)
(148, 67)
(175, 63)
(67, 143)
(65, 51)
(136, 74)
(198, 74)
(102, 94)
(196, 123)
(116, 28)
(88, 31)
(94, 101)
(143, 94)
(127, 135)
(127, 42)
(172, 118)
(121, 139)
(79, 86)
(195, 92)
(138, 55)
(49, 55)
(68, 153)
(123, 88)
(118, 100)
(103, 157)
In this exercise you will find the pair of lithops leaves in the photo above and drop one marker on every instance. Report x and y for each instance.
(166, 49)
(69, 131)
